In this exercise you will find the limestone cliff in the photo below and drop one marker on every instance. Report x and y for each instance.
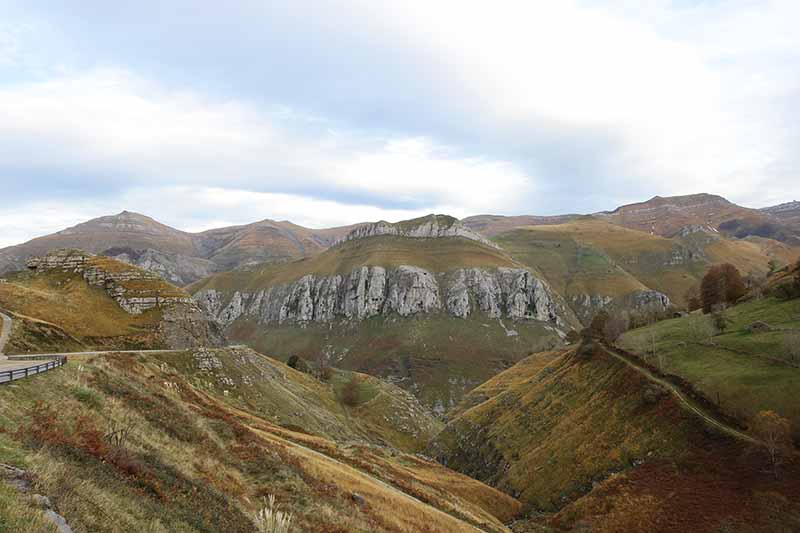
(175, 268)
(406, 290)
(586, 305)
(135, 290)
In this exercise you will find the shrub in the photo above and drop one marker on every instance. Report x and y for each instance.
(350, 392)
(87, 396)
(720, 320)
(326, 373)
(791, 346)
(791, 289)
(693, 302)
(572, 337)
(599, 323)
(298, 363)
(614, 327)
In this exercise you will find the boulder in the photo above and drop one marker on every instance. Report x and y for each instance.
(759, 327)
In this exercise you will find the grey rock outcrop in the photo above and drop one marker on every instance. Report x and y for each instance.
(175, 268)
(648, 300)
(128, 286)
(406, 290)
(183, 322)
(430, 227)
(510, 292)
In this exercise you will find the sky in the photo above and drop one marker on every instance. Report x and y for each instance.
(204, 114)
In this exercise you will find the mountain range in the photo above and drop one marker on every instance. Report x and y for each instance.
(182, 257)
(432, 374)
(178, 256)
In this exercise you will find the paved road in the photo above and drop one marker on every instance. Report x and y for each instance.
(685, 401)
(34, 367)
(106, 352)
(5, 331)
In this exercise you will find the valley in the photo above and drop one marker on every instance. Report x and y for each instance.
(426, 375)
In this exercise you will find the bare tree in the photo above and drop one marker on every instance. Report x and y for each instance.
(615, 326)
(701, 329)
(775, 433)
(791, 345)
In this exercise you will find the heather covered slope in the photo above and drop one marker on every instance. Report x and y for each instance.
(597, 443)
(134, 443)
(544, 429)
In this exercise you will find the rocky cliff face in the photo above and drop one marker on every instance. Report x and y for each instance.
(176, 268)
(183, 323)
(135, 290)
(407, 290)
(430, 227)
(586, 305)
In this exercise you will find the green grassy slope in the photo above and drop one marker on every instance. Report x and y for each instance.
(745, 372)
(437, 357)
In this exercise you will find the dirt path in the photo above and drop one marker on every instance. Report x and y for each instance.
(685, 400)
(5, 331)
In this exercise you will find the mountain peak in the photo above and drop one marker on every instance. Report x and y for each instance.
(427, 227)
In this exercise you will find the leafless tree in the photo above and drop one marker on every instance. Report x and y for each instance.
(791, 345)
(775, 433)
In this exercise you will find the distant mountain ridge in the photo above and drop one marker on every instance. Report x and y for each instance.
(668, 216)
(178, 256)
(182, 257)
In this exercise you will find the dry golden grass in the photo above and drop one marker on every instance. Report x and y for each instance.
(67, 301)
(435, 255)
(549, 427)
(194, 462)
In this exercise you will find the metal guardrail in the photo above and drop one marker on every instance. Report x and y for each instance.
(33, 357)
(8, 376)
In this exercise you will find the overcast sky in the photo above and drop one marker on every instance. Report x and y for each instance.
(203, 114)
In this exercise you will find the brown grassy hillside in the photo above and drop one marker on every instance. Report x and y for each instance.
(434, 255)
(85, 313)
(127, 443)
(608, 450)
(593, 256)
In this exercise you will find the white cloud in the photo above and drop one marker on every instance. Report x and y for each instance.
(676, 89)
(146, 148)
(21, 223)
(645, 98)
(113, 124)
